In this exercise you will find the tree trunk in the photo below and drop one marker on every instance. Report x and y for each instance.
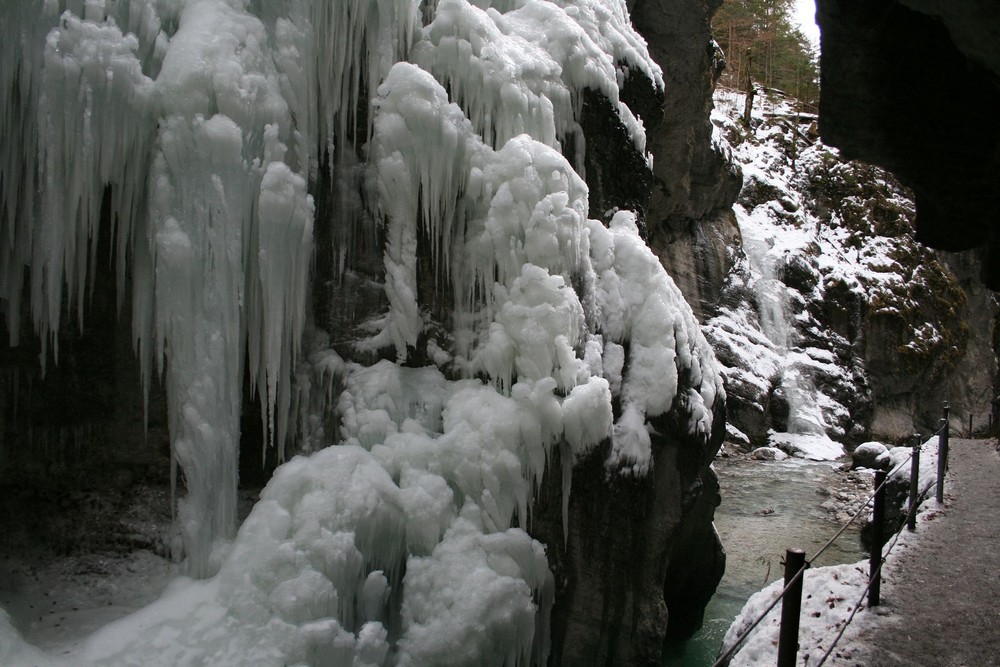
(748, 105)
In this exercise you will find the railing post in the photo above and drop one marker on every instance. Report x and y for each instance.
(970, 425)
(947, 433)
(942, 461)
(911, 516)
(791, 608)
(875, 559)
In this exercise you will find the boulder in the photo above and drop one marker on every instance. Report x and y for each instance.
(872, 455)
(769, 454)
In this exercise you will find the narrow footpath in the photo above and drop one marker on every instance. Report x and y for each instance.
(941, 596)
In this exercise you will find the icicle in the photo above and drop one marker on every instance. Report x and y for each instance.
(284, 238)
(92, 130)
(522, 67)
(380, 31)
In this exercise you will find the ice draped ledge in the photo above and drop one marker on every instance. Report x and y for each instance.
(206, 121)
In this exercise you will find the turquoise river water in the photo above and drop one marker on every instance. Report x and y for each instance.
(767, 507)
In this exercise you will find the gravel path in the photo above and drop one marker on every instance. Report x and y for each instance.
(941, 597)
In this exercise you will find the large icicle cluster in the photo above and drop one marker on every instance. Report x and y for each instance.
(522, 68)
(207, 120)
(203, 120)
(641, 307)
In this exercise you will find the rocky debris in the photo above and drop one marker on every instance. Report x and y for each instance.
(109, 521)
(57, 601)
(849, 492)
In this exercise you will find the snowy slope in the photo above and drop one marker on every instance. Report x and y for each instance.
(830, 295)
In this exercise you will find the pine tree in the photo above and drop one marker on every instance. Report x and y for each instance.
(761, 42)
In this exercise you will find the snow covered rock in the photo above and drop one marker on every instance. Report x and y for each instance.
(769, 454)
(872, 455)
(834, 319)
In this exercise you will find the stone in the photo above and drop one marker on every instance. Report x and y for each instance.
(872, 455)
(769, 454)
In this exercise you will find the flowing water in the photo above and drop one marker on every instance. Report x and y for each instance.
(767, 507)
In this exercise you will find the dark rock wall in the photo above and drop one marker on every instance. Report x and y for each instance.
(908, 85)
(970, 387)
(695, 181)
(698, 257)
(641, 558)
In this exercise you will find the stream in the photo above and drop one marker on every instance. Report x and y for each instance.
(767, 507)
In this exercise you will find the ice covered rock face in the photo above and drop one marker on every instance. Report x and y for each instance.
(512, 331)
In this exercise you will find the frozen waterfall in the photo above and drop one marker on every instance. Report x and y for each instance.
(777, 322)
(807, 430)
(400, 539)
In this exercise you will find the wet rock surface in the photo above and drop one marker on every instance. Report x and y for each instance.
(641, 558)
(695, 180)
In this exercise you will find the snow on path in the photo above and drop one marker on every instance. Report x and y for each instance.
(916, 588)
(939, 593)
(938, 590)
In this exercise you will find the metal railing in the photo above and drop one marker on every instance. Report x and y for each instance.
(796, 563)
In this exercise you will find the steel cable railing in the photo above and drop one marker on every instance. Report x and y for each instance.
(861, 509)
(861, 598)
(728, 654)
(722, 660)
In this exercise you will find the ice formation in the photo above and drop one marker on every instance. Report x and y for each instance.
(777, 323)
(781, 347)
(206, 121)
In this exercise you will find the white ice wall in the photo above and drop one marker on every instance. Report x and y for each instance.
(207, 118)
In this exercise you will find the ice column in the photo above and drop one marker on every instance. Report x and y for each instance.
(229, 244)
(199, 204)
(777, 323)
